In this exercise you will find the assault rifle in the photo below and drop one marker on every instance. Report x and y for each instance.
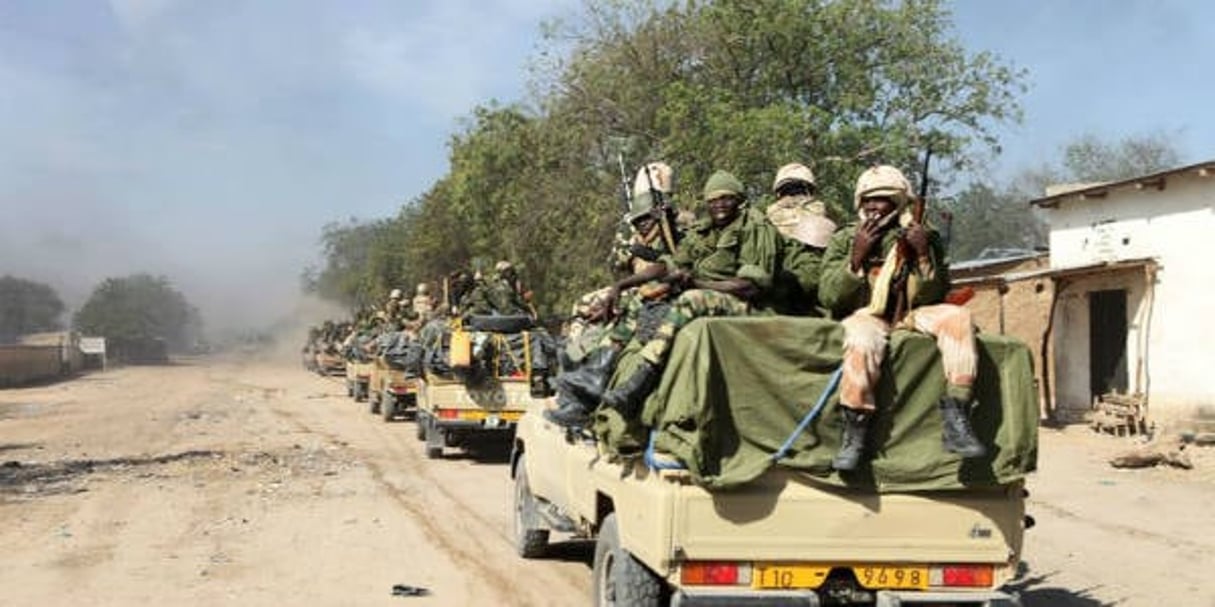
(626, 191)
(902, 304)
(661, 209)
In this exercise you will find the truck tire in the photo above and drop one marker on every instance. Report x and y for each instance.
(373, 401)
(349, 389)
(388, 407)
(531, 540)
(419, 423)
(434, 441)
(620, 579)
(512, 323)
(360, 391)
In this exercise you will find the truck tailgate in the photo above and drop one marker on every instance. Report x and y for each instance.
(784, 516)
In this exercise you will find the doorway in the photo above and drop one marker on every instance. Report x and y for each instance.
(1107, 342)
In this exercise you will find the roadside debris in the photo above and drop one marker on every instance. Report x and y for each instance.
(1169, 451)
(408, 591)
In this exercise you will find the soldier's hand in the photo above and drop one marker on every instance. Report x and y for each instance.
(643, 252)
(608, 306)
(867, 234)
(917, 237)
(680, 277)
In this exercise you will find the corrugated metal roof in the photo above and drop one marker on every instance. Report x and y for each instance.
(1154, 180)
(1093, 268)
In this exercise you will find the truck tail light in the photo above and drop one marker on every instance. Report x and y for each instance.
(448, 413)
(962, 576)
(713, 573)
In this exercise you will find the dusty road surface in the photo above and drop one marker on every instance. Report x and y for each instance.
(230, 481)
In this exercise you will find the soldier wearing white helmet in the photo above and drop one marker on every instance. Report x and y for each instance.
(393, 308)
(423, 304)
(888, 272)
(805, 229)
(606, 323)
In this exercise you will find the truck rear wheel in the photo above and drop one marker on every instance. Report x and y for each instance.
(620, 579)
(419, 423)
(388, 406)
(434, 440)
(373, 400)
(531, 540)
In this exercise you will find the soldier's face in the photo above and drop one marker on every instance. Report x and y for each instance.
(876, 208)
(723, 210)
(643, 225)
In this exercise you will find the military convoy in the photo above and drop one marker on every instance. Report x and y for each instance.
(725, 488)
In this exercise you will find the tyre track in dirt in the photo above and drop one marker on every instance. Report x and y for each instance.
(420, 487)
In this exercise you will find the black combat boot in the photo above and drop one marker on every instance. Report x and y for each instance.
(956, 434)
(856, 425)
(588, 381)
(628, 397)
(571, 412)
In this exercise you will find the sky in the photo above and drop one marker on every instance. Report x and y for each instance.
(210, 140)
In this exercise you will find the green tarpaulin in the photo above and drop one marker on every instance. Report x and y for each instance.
(736, 388)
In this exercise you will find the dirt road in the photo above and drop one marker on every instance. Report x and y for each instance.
(227, 481)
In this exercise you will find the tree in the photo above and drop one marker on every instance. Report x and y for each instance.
(746, 85)
(27, 306)
(139, 307)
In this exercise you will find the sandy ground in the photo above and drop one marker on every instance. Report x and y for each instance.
(229, 481)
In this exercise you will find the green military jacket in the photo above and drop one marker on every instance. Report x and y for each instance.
(747, 248)
(476, 300)
(795, 285)
(504, 299)
(842, 291)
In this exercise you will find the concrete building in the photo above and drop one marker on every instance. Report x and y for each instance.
(1011, 295)
(1133, 268)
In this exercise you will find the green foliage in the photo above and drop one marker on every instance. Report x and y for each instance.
(27, 306)
(745, 86)
(139, 307)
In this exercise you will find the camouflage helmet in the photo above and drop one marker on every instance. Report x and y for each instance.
(423, 288)
(395, 294)
(723, 183)
(793, 172)
(502, 266)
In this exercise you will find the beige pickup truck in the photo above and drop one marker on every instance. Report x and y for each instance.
(453, 414)
(785, 537)
(391, 392)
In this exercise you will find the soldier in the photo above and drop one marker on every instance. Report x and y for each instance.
(423, 304)
(724, 264)
(653, 232)
(805, 230)
(474, 299)
(889, 272)
(503, 291)
(393, 308)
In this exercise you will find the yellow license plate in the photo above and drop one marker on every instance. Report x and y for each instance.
(877, 577)
(781, 575)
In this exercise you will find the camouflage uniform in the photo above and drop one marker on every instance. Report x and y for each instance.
(476, 300)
